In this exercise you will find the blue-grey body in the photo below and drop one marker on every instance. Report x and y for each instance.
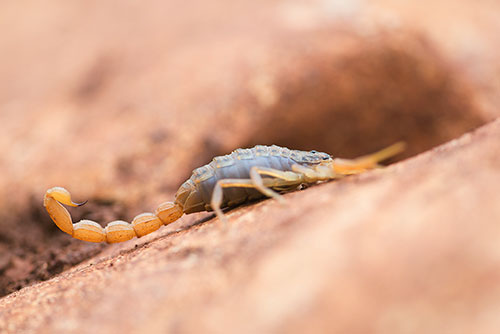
(196, 193)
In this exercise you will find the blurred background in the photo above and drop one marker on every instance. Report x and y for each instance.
(118, 101)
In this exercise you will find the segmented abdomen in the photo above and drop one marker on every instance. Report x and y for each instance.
(196, 193)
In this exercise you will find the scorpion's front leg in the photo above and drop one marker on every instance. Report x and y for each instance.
(116, 231)
(367, 162)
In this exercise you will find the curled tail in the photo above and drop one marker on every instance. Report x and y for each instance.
(116, 231)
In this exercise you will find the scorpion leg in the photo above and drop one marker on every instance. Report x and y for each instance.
(319, 173)
(364, 163)
(218, 194)
(281, 179)
(116, 231)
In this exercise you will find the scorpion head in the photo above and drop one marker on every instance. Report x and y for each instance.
(315, 157)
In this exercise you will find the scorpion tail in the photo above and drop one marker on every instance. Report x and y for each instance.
(116, 231)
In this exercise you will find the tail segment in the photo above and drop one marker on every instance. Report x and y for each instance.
(116, 231)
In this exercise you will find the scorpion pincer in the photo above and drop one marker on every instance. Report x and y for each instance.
(227, 181)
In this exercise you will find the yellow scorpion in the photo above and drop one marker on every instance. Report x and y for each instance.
(229, 180)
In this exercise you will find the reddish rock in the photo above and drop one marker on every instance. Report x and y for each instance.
(410, 248)
(120, 110)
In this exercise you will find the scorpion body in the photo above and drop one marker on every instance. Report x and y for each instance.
(195, 194)
(227, 181)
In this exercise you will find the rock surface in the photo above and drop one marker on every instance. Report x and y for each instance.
(411, 248)
(118, 103)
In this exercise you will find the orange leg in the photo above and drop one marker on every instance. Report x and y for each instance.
(364, 163)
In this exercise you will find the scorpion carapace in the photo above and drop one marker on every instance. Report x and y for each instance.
(228, 180)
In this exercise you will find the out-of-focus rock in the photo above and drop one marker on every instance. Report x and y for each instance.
(364, 94)
(467, 32)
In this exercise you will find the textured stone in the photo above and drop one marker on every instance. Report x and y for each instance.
(410, 248)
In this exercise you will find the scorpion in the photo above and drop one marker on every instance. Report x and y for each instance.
(227, 181)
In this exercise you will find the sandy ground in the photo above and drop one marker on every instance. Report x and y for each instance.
(119, 102)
